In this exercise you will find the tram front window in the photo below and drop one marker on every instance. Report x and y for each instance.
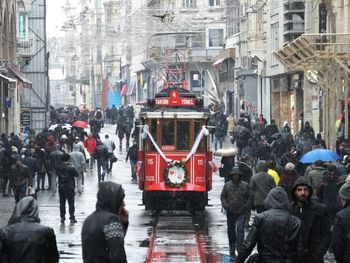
(183, 136)
(168, 128)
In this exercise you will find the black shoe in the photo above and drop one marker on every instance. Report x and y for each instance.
(73, 221)
(62, 220)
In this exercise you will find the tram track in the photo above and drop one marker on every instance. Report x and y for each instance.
(175, 239)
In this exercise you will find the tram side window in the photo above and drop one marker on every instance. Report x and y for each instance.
(153, 131)
(183, 135)
(197, 129)
(168, 128)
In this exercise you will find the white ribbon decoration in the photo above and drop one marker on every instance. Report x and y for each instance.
(203, 132)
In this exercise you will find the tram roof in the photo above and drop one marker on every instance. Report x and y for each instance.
(175, 115)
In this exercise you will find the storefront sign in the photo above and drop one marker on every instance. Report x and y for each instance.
(25, 117)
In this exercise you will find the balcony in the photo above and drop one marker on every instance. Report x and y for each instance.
(26, 46)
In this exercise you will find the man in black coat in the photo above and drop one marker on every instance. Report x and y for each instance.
(315, 222)
(103, 231)
(66, 185)
(341, 228)
(275, 231)
(235, 199)
(101, 155)
(26, 240)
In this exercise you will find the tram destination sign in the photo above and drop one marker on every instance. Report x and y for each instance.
(174, 100)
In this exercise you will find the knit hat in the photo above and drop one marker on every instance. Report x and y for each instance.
(289, 167)
(344, 192)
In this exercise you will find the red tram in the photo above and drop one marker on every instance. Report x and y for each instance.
(175, 161)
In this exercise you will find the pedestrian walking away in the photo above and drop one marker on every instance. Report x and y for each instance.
(25, 239)
(132, 155)
(111, 147)
(315, 222)
(260, 185)
(275, 231)
(78, 161)
(235, 199)
(66, 185)
(101, 155)
(103, 232)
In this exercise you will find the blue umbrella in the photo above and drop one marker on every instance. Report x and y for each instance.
(319, 154)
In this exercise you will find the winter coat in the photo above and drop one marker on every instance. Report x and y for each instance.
(66, 176)
(33, 165)
(132, 153)
(27, 241)
(103, 232)
(235, 197)
(90, 145)
(101, 152)
(55, 159)
(315, 178)
(19, 174)
(315, 226)
(341, 236)
(328, 192)
(78, 161)
(260, 184)
(275, 231)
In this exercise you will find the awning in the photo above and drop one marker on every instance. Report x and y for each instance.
(7, 78)
(219, 61)
(20, 76)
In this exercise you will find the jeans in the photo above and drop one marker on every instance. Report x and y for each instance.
(132, 165)
(53, 181)
(79, 181)
(64, 196)
(19, 191)
(110, 164)
(216, 140)
(101, 165)
(235, 231)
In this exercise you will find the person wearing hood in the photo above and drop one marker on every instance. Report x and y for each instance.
(328, 190)
(315, 222)
(341, 229)
(260, 185)
(275, 231)
(25, 239)
(235, 199)
(66, 174)
(103, 231)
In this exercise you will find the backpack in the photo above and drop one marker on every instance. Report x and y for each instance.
(98, 115)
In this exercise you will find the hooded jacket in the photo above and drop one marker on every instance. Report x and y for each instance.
(103, 231)
(235, 197)
(260, 184)
(315, 225)
(27, 241)
(275, 231)
(341, 235)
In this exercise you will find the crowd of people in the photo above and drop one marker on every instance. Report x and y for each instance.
(303, 210)
(56, 160)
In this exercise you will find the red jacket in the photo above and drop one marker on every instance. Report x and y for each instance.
(90, 144)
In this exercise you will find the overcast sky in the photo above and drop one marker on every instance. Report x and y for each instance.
(54, 17)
